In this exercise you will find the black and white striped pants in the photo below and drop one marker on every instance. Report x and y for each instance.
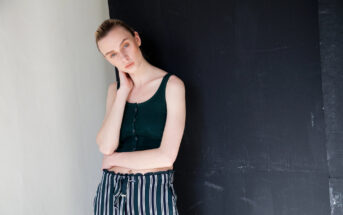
(151, 193)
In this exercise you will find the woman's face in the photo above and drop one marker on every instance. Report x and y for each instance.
(121, 49)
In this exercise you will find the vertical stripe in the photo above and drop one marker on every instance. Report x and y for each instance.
(128, 195)
(106, 194)
(112, 193)
(123, 198)
(132, 185)
(121, 205)
(109, 191)
(162, 194)
(139, 195)
(170, 197)
(144, 194)
(99, 195)
(150, 195)
(103, 205)
(158, 193)
(109, 194)
(102, 195)
(173, 204)
(155, 197)
(136, 195)
(166, 194)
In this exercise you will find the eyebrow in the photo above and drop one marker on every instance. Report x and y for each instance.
(119, 45)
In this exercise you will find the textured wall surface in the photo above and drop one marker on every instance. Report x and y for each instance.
(255, 134)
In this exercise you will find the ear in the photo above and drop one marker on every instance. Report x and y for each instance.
(138, 39)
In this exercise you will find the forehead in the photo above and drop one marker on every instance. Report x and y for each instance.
(113, 38)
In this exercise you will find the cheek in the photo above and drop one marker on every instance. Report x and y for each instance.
(113, 62)
(136, 52)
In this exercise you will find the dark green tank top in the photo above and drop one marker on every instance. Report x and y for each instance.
(143, 123)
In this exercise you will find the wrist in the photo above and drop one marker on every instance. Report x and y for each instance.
(122, 95)
(123, 91)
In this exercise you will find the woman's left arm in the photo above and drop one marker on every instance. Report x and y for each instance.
(166, 154)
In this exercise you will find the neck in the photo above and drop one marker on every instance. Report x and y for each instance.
(143, 74)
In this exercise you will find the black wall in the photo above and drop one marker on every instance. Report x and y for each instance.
(331, 46)
(254, 141)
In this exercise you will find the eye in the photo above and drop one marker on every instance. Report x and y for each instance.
(113, 55)
(126, 45)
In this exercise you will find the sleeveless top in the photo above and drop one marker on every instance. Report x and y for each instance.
(143, 123)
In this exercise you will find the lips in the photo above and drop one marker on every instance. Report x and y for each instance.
(129, 65)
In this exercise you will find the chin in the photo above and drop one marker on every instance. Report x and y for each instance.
(130, 71)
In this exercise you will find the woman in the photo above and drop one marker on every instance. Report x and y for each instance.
(142, 130)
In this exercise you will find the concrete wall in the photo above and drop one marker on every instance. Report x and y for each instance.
(53, 85)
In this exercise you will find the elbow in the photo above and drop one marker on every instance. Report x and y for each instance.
(168, 158)
(105, 151)
(171, 161)
(103, 147)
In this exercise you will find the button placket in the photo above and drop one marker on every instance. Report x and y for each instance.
(133, 126)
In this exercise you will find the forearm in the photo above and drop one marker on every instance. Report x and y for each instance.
(108, 136)
(144, 159)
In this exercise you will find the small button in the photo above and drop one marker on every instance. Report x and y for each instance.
(136, 138)
(133, 130)
(134, 148)
(135, 109)
(134, 119)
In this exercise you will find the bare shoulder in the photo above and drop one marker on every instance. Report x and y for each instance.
(175, 82)
(175, 88)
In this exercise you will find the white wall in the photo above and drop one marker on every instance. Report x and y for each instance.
(53, 85)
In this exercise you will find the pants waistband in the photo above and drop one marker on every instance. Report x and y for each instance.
(133, 176)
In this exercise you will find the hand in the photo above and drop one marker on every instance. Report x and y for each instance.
(126, 82)
(107, 162)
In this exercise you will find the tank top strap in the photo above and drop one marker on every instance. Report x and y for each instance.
(163, 85)
(164, 81)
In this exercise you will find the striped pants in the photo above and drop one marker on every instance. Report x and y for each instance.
(151, 193)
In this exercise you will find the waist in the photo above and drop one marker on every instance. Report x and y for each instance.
(127, 171)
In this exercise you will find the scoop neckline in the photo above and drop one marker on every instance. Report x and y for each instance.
(158, 89)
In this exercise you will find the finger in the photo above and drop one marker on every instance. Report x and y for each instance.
(120, 74)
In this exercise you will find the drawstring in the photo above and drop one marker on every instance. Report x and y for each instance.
(120, 193)
(131, 180)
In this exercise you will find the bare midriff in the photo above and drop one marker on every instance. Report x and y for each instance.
(118, 169)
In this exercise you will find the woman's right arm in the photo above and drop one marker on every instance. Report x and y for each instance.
(107, 138)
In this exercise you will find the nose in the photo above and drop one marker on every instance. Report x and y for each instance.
(125, 58)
